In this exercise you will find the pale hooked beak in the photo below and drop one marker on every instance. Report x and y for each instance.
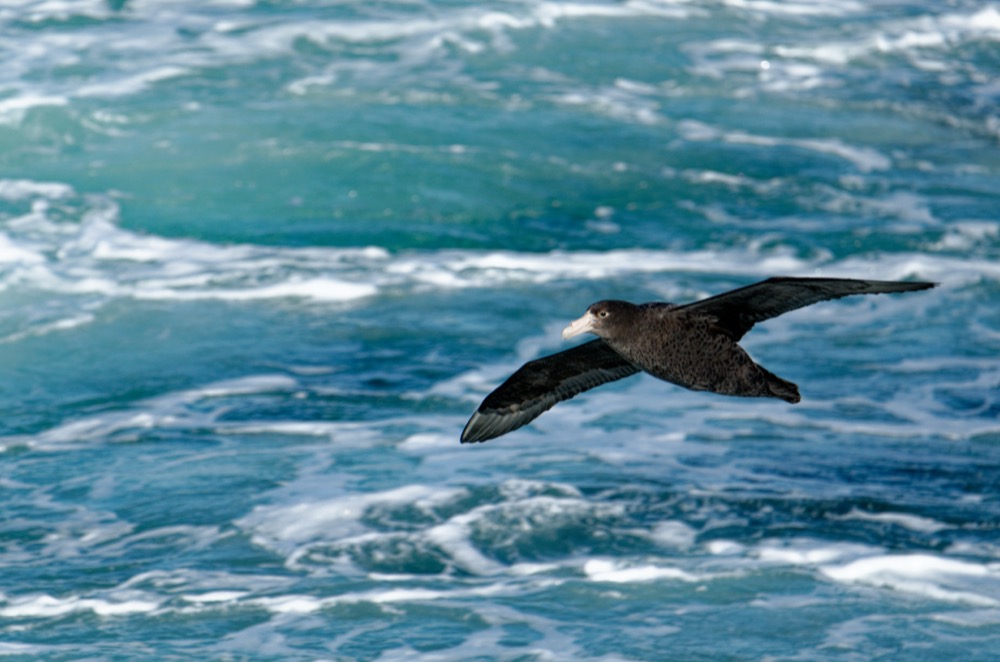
(576, 327)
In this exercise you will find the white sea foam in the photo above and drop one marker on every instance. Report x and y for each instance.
(933, 577)
(865, 159)
(29, 651)
(908, 36)
(674, 533)
(357, 432)
(424, 440)
(808, 552)
(170, 410)
(307, 521)
(47, 606)
(131, 84)
(916, 412)
(19, 189)
(912, 522)
(725, 547)
(65, 324)
(158, 592)
(12, 110)
(455, 537)
(625, 100)
(478, 269)
(212, 597)
(966, 235)
(69, 533)
(13, 255)
(33, 11)
(204, 587)
(306, 604)
(611, 571)
(970, 618)
(801, 8)
(98, 258)
(792, 66)
(927, 575)
(161, 41)
(315, 534)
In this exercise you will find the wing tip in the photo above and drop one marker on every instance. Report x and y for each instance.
(479, 429)
(908, 284)
(470, 435)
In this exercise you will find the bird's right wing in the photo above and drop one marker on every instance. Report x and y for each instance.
(540, 384)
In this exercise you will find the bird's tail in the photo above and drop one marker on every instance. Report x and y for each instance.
(780, 388)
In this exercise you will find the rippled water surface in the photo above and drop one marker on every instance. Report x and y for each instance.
(260, 260)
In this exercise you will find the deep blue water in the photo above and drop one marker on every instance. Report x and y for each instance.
(259, 262)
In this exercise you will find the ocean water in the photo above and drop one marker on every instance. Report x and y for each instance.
(261, 259)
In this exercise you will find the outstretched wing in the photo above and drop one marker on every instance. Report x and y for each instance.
(737, 311)
(540, 384)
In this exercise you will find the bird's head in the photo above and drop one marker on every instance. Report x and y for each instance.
(602, 319)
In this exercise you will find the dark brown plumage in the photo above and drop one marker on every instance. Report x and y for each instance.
(692, 345)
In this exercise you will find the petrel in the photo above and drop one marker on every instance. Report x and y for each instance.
(692, 345)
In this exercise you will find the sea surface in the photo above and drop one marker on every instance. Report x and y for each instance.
(261, 259)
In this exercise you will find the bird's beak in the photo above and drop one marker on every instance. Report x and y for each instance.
(576, 327)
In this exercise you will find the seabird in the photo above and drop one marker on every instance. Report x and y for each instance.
(692, 345)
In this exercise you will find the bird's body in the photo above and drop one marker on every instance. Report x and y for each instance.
(693, 345)
(689, 350)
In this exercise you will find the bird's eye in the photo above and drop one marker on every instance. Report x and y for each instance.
(603, 313)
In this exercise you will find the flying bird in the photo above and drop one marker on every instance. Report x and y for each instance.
(692, 345)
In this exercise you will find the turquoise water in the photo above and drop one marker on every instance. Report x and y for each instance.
(259, 262)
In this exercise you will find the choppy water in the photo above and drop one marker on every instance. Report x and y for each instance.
(259, 261)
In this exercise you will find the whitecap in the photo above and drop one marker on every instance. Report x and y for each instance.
(19, 189)
(12, 254)
(65, 324)
(214, 597)
(799, 8)
(317, 535)
(967, 235)
(600, 570)
(973, 618)
(624, 100)
(428, 440)
(163, 41)
(96, 257)
(12, 109)
(482, 269)
(131, 84)
(29, 651)
(865, 159)
(910, 36)
(306, 604)
(47, 606)
(933, 577)
(204, 589)
(175, 409)
(306, 521)
(725, 547)
(673, 533)
(808, 552)
(905, 520)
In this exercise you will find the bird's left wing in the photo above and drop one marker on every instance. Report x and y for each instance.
(540, 384)
(737, 311)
